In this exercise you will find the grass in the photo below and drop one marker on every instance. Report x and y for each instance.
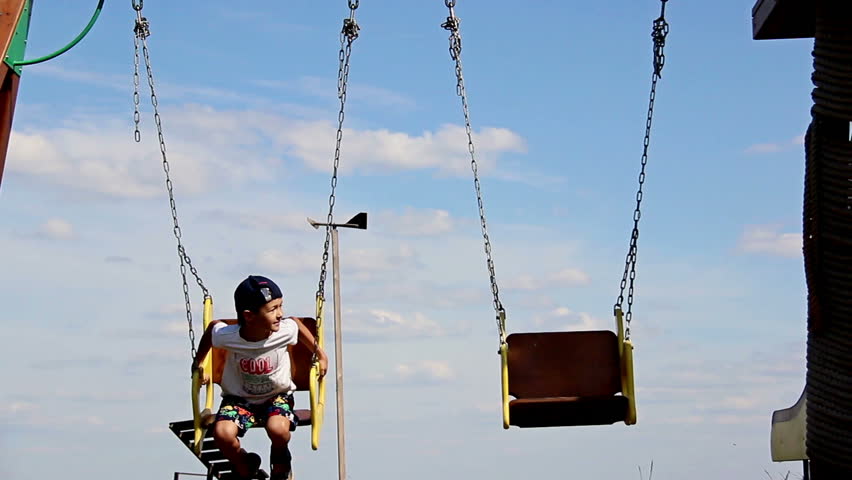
(650, 472)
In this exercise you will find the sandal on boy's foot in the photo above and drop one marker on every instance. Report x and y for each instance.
(282, 475)
(253, 462)
(281, 465)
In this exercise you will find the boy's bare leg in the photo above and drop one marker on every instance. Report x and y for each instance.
(278, 430)
(225, 434)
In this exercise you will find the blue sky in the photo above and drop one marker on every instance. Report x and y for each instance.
(97, 354)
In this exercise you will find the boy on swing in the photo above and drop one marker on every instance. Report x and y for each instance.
(256, 382)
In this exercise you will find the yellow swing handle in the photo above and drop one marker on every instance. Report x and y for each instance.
(625, 351)
(504, 374)
(204, 376)
(504, 366)
(316, 385)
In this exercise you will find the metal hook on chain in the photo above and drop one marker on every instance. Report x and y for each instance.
(350, 29)
(452, 25)
(142, 28)
(661, 29)
(350, 26)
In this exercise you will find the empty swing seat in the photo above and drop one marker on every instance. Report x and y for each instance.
(566, 379)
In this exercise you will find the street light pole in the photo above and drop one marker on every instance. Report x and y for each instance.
(360, 222)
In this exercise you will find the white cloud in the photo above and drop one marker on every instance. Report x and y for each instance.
(356, 92)
(369, 263)
(165, 90)
(684, 420)
(56, 229)
(567, 277)
(361, 264)
(99, 79)
(169, 310)
(767, 239)
(99, 155)
(570, 277)
(19, 408)
(774, 147)
(380, 150)
(416, 222)
(174, 328)
(117, 259)
(379, 96)
(563, 318)
(263, 222)
(380, 325)
(34, 415)
(424, 293)
(740, 402)
(724, 391)
(764, 148)
(429, 372)
(209, 149)
(287, 262)
(522, 282)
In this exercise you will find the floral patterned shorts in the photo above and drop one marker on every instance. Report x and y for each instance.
(247, 415)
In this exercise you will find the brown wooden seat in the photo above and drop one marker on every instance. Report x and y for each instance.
(565, 379)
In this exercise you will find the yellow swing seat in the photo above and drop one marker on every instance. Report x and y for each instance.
(196, 433)
(561, 379)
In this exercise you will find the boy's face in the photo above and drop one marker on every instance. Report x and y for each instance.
(267, 317)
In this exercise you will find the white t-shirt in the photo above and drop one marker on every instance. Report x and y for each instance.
(256, 371)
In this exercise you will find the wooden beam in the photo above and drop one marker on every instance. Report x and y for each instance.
(10, 13)
(775, 19)
(8, 96)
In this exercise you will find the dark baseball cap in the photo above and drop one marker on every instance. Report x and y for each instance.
(254, 292)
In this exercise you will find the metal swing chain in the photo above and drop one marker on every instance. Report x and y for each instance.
(452, 25)
(348, 34)
(658, 34)
(142, 31)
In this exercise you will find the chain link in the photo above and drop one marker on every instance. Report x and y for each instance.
(452, 25)
(658, 34)
(142, 31)
(348, 34)
(660, 30)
